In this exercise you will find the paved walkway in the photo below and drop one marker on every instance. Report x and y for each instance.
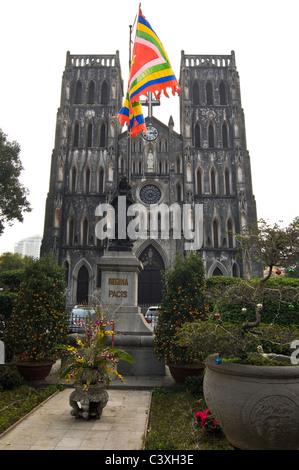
(122, 425)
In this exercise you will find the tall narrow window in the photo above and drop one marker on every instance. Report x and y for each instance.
(179, 164)
(76, 135)
(215, 234)
(227, 181)
(230, 233)
(213, 182)
(222, 92)
(70, 233)
(196, 93)
(78, 92)
(197, 135)
(101, 181)
(87, 181)
(211, 136)
(224, 135)
(89, 135)
(103, 135)
(84, 232)
(209, 93)
(73, 180)
(179, 192)
(90, 93)
(199, 181)
(104, 93)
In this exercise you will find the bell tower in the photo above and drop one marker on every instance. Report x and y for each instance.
(216, 158)
(83, 167)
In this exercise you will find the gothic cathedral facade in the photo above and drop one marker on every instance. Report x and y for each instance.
(206, 164)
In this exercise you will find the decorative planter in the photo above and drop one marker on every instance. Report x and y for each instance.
(257, 407)
(180, 372)
(88, 402)
(35, 370)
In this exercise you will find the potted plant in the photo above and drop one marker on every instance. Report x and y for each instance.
(38, 323)
(183, 300)
(92, 365)
(250, 383)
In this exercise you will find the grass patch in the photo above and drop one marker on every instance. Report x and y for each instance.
(173, 426)
(17, 402)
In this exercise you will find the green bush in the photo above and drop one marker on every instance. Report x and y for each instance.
(279, 296)
(10, 378)
(38, 323)
(183, 300)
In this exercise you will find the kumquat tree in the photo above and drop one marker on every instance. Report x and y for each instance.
(38, 323)
(183, 300)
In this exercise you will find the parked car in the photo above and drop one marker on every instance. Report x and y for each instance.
(78, 318)
(151, 316)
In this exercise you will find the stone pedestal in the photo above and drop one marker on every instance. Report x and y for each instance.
(119, 297)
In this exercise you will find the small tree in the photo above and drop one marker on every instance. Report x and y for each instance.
(13, 195)
(183, 300)
(38, 322)
(273, 245)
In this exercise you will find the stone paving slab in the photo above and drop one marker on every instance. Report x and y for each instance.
(50, 426)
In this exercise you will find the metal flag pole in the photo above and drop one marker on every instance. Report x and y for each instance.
(128, 126)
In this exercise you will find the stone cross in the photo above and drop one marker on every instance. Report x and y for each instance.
(150, 102)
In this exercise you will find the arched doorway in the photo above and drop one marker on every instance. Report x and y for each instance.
(149, 280)
(217, 272)
(82, 285)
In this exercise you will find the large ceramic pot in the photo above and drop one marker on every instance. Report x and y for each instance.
(88, 401)
(180, 372)
(35, 370)
(257, 407)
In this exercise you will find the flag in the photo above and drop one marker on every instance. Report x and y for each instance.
(150, 72)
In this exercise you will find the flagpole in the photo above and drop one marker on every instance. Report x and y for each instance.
(128, 127)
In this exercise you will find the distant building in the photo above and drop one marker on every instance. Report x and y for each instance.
(29, 246)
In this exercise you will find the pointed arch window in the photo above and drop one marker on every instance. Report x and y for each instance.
(179, 164)
(209, 93)
(78, 92)
(216, 234)
(213, 182)
(84, 232)
(104, 93)
(224, 135)
(91, 92)
(227, 181)
(70, 232)
(121, 164)
(76, 135)
(199, 181)
(222, 93)
(89, 134)
(195, 90)
(82, 285)
(211, 136)
(230, 233)
(87, 180)
(103, 135)
(197, 136)
(179, 194)
(73, 180)
(101, 181)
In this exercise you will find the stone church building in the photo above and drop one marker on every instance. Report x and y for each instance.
(206, 164)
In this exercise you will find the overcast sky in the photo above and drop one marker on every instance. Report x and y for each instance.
(35, 36)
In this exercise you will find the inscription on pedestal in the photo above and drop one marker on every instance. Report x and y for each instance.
(114, 291)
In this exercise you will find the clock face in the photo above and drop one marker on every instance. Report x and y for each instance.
(152, 133)
(150, 194)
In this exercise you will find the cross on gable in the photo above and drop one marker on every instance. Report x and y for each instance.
(150, 102)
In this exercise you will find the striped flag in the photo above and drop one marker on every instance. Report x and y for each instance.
(150, 72)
